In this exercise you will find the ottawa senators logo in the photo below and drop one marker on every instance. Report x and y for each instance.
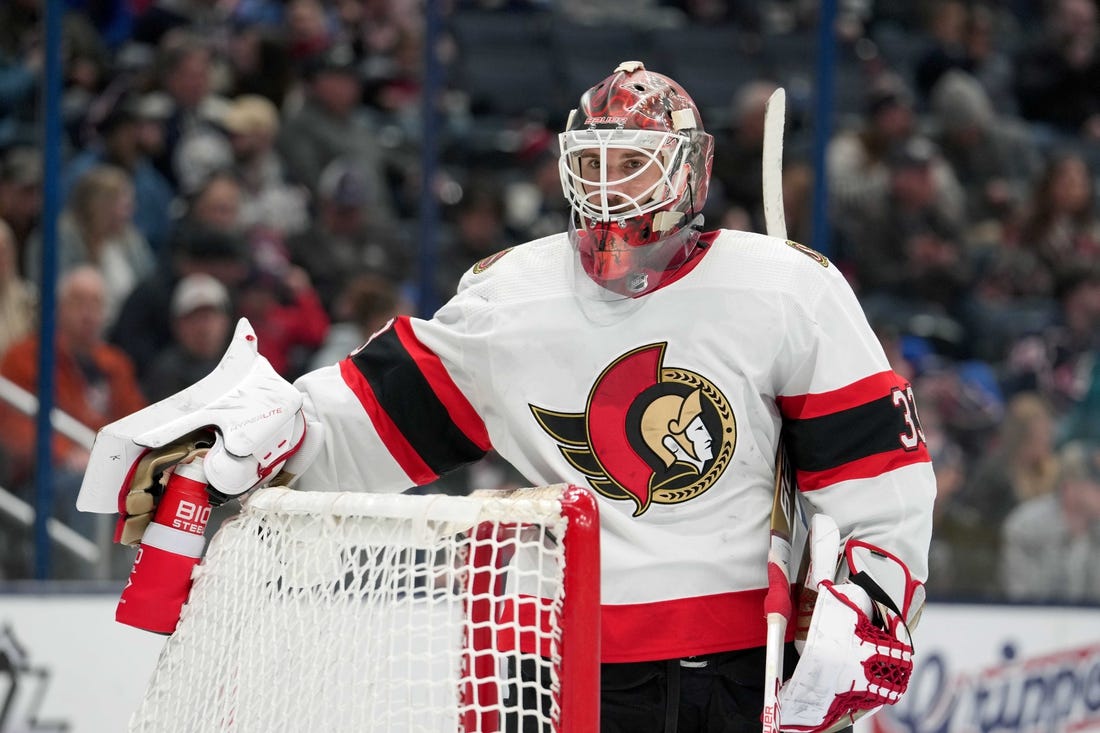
(486, 262)
(649, 433)
(813, 254)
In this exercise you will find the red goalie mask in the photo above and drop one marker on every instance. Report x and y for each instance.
(635, 168)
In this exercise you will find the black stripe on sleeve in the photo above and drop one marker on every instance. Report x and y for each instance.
(407, 398)
(828, 441)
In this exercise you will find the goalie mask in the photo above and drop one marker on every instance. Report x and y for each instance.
(635, 167)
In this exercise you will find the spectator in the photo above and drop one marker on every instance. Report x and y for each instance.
(1055, 361)
(1022, 463)
(1058, 77)
(331, 124)
(945, 31)
(252, 123)
(993, 158)
(144, 325)
(93, 382)
(366, 304)
(737, 159)
(1012, 297)
(157, 20)
(476, 230)
(18, 300)
(857, 158)
(22, 57)
(201, 325)
(971, 37)
(962, 563)
(118, 143)
(988, 38)
(345, 239)
(1059, 223)
(1052, 542)
(287, 315)
(534, 207)
(186, 76)
(21, 195)
(308, 30)
(393, 82)
(906, 248)
(964, 393)
(22, 60)
(217, 203)
(260, 63)
(214, 206)
(97, 228)
(1083, 420)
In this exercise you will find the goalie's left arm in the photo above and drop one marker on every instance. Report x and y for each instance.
(858, 450)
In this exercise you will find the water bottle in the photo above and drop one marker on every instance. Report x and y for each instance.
(160, 579)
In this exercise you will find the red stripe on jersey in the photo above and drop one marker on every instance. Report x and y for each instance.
(462, 413)
(869, 467)
(400, 448)
(636, 632)
(684, 627)
(860, 392)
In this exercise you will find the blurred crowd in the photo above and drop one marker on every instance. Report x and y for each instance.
(263, 158)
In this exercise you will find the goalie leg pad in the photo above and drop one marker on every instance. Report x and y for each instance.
(849, 665)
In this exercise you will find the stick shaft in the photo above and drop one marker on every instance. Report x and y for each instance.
(773, 671)
(778, 602)
(775, 113)
(778, 605)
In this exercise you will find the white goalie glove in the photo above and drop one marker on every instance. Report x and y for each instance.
(857, 653)
(246, 418)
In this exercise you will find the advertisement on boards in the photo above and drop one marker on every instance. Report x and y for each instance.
(1000, 669)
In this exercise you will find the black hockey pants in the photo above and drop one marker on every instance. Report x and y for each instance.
(716, 693)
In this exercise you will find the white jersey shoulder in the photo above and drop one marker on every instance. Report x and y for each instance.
(751, 261)
(547, 268)
(534, 263)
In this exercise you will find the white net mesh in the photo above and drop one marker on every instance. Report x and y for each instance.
(363, 612)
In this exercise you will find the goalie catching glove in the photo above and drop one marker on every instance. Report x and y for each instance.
(246, 418)
(857, 652)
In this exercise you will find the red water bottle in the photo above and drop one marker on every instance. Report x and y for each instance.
(160, 580)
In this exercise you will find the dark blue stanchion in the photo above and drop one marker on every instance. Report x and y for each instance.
(823, 124)
(51, 200)
(427, 296)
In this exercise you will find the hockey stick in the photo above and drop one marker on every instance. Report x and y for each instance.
(778, 606)
(777, 603)
(775, 113)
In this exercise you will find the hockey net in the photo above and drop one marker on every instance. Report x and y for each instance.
(363, 612)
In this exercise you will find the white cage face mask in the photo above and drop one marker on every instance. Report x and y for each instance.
(610, 175)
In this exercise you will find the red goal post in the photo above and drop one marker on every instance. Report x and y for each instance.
(369, 612)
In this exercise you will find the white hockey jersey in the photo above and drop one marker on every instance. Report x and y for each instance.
(668, 407)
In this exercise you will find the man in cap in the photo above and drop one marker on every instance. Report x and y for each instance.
(201, 324)
(332, 123)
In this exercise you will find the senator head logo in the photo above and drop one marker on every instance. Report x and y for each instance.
(649, 434)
